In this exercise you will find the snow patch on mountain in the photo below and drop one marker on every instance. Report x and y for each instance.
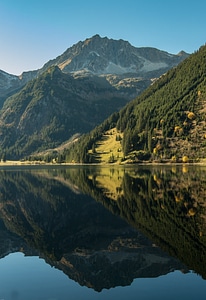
(113, 68)
(152, 66)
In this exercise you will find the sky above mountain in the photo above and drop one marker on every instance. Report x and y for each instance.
(33, 32)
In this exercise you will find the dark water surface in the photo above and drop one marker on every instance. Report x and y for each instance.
(103, 233)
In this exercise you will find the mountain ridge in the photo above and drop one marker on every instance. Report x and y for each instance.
(75, 92)
(53, 108)
(110, 56)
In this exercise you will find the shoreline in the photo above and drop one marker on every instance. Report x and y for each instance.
(18, 163)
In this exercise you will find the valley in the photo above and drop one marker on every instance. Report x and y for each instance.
(125, 105)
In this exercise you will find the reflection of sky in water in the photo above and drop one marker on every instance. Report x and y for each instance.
(30, 278)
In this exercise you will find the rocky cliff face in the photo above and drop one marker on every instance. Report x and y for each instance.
(123, 65)
(99, 56)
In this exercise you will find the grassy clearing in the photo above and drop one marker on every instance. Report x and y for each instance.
(108, 149)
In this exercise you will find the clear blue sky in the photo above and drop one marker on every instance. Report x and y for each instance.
(34, 31)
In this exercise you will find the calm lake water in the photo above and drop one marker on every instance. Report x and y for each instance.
(102, 233)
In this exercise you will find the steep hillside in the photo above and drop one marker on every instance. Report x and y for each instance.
(167, 122)
(52, 108)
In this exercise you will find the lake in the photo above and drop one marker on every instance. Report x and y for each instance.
(91, 232)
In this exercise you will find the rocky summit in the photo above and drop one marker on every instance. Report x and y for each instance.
(123, 65)
(100, 56)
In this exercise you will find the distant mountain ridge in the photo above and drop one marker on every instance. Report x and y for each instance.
(75, 92)
(10, 84)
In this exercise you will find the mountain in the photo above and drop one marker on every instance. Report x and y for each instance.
(121, 63)
(165, 123)
(99, 56)
(10, 84)
(53, 108)
(127, 68)
(75, 92)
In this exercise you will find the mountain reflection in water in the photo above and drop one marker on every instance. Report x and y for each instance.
(103, 226)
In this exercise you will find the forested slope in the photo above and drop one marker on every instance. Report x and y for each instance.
(166, 122)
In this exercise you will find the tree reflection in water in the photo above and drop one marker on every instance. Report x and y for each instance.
(51, 212)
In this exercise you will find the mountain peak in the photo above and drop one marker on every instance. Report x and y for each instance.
(94, 37)
(101, 55)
